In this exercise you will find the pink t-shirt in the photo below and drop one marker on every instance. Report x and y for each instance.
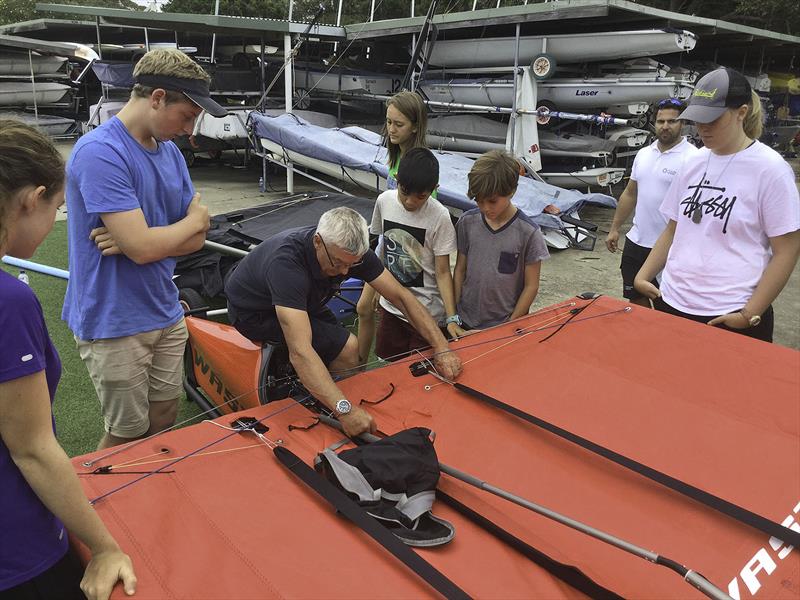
(713, 266)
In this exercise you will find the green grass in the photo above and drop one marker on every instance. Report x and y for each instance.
(76, 408)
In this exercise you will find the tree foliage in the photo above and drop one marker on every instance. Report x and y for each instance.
(15, 11)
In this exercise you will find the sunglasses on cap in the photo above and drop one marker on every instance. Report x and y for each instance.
(670, 102)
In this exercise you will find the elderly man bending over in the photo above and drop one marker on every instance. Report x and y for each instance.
(280, 290)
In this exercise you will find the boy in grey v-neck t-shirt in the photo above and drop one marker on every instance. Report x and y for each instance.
(495, 266)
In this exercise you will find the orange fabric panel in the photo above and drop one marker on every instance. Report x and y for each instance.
(716, 409)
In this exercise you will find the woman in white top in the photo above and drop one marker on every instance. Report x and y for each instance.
(733, 232)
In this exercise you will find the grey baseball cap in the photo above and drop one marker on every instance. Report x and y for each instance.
(715, 93)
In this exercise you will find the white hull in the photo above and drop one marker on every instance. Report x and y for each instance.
(572, 48)
(371, 83)
(565, 94)
(629, 137)
(588, 178)
(21, 93)
(18, 64)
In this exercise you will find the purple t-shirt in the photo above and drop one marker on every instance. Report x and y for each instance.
(33, 539)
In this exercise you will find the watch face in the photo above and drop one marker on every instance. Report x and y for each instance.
(343, 406)
(755, 321)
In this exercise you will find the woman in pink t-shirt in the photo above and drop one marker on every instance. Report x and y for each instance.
(733, 211)
(41, 494)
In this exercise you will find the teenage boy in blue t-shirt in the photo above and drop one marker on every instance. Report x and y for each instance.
(500, 249)
(132, 209)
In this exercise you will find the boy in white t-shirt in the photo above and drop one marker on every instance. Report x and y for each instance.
(653, 170)
(417, 238)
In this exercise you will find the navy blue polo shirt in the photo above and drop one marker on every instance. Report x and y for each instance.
(283, 271)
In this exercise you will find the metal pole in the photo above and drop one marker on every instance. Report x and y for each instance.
(223, 249)
(692, 577)
(214, 35)
(97, 30)
(287, 84)
(512, 122)
(507, 111)
(338, 24)
(146, 41)
(33, 86)
(372, 11)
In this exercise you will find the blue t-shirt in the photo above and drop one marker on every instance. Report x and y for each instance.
(32, 539)
(109, 171)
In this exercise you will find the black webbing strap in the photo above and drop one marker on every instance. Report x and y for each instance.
(567, 573)
(727, 508)
(370, 526)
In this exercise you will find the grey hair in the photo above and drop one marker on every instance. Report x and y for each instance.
(345, 228)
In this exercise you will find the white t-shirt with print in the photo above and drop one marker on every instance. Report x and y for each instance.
(713, 266)
(653, 172)
(410, 242)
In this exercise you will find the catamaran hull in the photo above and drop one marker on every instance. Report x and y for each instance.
(571, 48)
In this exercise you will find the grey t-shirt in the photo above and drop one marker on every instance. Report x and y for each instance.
(496, 263)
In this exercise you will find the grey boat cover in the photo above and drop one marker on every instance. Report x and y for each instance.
(358, 148)
(575, 142)
(114, 73)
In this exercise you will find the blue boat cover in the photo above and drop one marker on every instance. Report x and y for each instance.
(358, 148)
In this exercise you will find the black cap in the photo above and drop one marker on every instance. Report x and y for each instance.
(715, 93)
(195, 90)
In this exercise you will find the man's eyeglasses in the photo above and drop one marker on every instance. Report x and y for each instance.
(671, 103)
(336, 263)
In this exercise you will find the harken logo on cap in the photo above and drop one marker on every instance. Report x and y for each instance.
(705, 93)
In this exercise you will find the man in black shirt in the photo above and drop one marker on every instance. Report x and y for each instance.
(280, 290)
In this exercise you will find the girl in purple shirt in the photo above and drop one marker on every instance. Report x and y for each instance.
(41, 498)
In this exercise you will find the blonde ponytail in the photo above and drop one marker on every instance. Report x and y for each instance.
(753, 124)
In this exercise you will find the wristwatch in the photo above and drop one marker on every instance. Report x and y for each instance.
(753, 320)
(343, 407)
(453, 319)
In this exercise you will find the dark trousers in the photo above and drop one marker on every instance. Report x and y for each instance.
(763, 331)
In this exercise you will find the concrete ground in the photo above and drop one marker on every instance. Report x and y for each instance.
(568, 272)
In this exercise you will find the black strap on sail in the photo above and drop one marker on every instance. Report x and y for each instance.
(567, 573)
(336, 498)
(719, 504)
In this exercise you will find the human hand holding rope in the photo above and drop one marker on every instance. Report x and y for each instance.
(448, 364)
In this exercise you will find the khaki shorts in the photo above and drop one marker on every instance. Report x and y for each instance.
(131, 372)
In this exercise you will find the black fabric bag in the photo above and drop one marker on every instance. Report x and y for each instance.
(394, 480)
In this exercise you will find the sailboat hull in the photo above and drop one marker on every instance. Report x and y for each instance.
(572, 48)
(23, 93)
(563, 93)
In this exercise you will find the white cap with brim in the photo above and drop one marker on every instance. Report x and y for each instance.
(195, 90)
(715, 93)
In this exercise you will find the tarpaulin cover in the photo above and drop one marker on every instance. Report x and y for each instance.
(712, 408)
(358, 148)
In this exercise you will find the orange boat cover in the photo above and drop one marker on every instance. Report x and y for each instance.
(714, 409)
